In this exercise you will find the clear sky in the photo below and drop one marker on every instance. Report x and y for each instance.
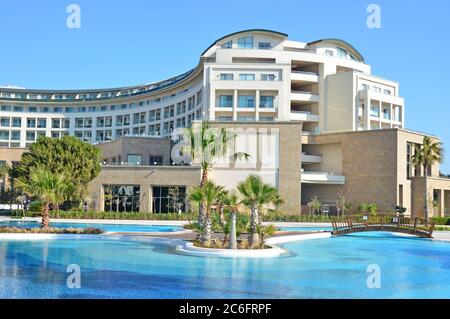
(123, 43)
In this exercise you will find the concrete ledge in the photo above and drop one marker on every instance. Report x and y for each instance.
(287, 239)
(188, 248)
(104, 221)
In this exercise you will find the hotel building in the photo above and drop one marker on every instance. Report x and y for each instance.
(331, 125)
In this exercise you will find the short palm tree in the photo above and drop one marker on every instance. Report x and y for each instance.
(257, 196)
(206, 197)
(426, 155)
(206, 145)
(50, 188)
(231, 202)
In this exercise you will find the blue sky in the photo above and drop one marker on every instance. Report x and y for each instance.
(140, 41)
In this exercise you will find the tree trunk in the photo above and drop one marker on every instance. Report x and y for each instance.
(45, 223)
(205, 236)
(233, 240)
(222, 215)
(201, 211)
(204, 177)
(427, 205)
(254, 239)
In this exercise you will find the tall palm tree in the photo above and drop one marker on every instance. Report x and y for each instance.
(206, 145)
(426, 155)
(206, 197)
(50, 188)
(257, 196)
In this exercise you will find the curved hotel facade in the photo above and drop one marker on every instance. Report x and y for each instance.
(339, 128)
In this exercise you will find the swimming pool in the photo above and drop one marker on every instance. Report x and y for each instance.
(321, 268)
(305, 228)
(105, 227)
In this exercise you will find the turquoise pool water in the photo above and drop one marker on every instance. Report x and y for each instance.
(305, 229)
(322, 268)
(104, 227)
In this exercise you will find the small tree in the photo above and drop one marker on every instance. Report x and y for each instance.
(314, 204)
(342, 203)
(174, 198)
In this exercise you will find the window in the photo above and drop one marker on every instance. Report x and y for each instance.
(31, 123)
(121, 198)
(100, 121)
(374, 111)
(341, 52)
(134, 159)
(31, 136)
(226, 101)
(245, 43)
(266, 101)
(65, 123)
(79, 122)
(329, 52)
(225, 118)
(4, 122)
(16, 122)
(155, 160)
(41, 123)
(365, 86)
(376, 89)
(56, 123)
(386, 114)
(168, 199)
(266, 118)
(15, 135)
(227, 45)
(400, 195)
(267, 77)
(18, 108)
(246, 118)
(246, 77)
(226, 76)
(264, 45)
(386, 91)
(246, 101)
(4, 135)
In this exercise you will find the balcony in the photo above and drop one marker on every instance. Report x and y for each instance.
(302, 96)
(304, 77)
(303, 116)
(310, 177)
(311, 159)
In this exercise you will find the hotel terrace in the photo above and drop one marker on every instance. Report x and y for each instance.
(331, 123)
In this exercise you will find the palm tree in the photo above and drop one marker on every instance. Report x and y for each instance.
(426, 155)
(257, 196)
(50, 188)
(206, 197)
(205, 145)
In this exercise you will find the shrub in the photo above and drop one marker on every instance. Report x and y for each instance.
(51, 230)
(441, 220)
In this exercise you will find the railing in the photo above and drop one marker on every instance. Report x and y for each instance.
(382, 222)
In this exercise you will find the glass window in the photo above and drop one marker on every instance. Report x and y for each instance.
(246, 118)
(246, 101)
(342, 52)
(329, 52)
(267, 77)
(121, 198)
(155, 159)
(386, 114)
(134, 159)
(264, 45)
(225, 118)
(5, 121)
(56, 123)
(41, 123)
(226, 76)
(266, 101)
(227, 45)
(376, 89)
(18, 108)
(247, 77)
(266, 118)
(16, 122)
(245, 43)
(374, 111)
(168, 199)
(364, 86)
(65, 123)
(226, 101)
(386, 91)
(31, 136)
(31, 123)
(4, 135)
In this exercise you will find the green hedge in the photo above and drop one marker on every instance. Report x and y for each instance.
(441, 220)
(110, 215)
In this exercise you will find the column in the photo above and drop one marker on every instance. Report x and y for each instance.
(442, 203)
(257, 100)
(235, 104)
